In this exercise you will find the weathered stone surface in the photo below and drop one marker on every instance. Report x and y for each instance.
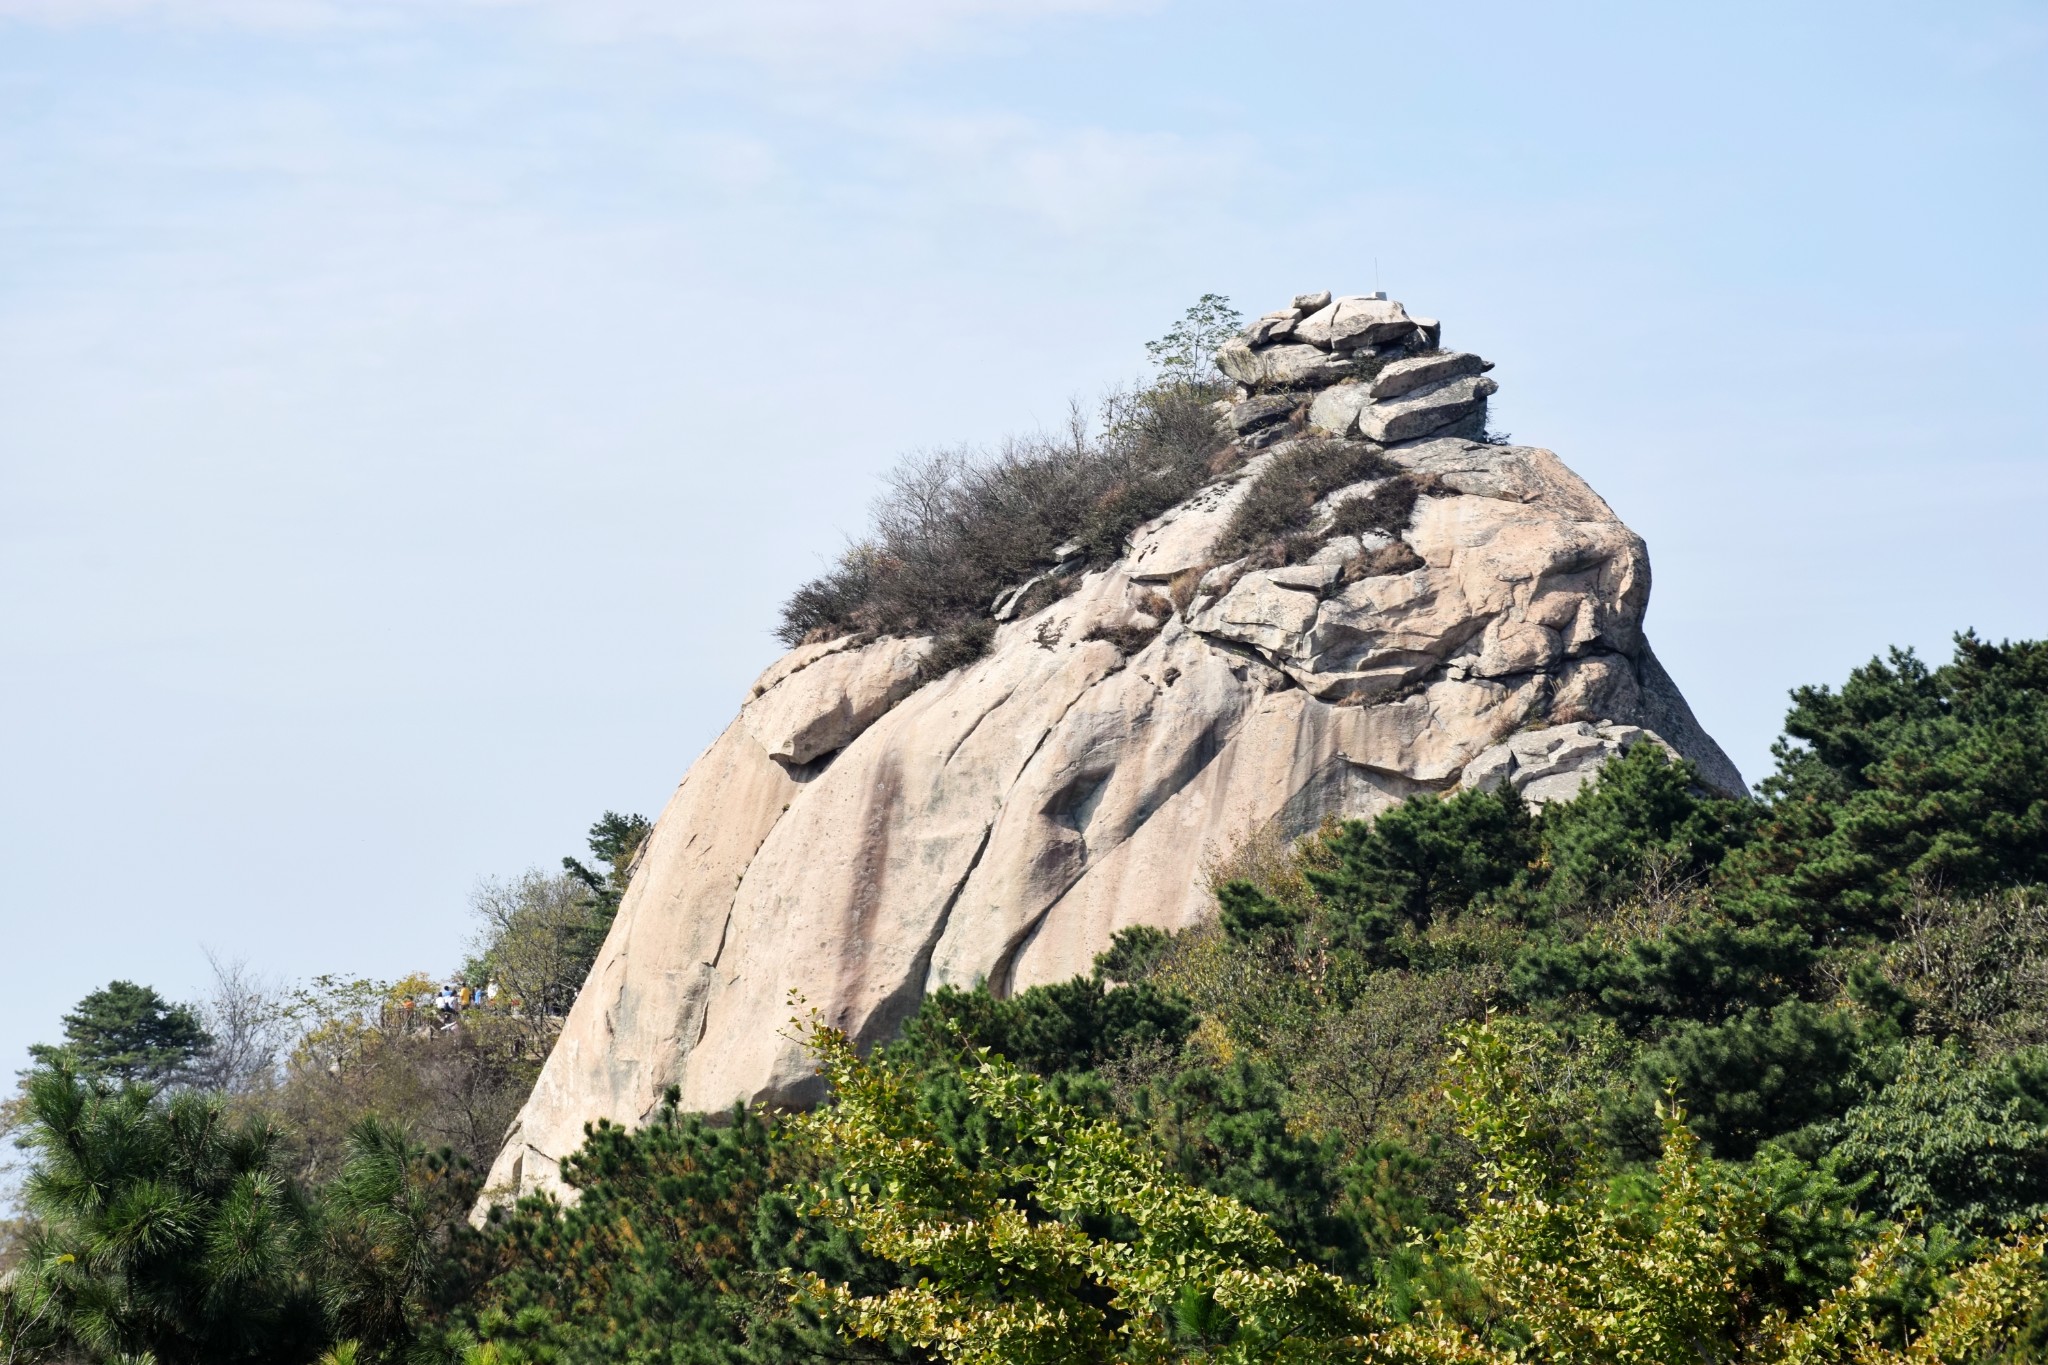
(1253, 413)
(798, 659)
(1272, 327)
(824, 705)
(1554, 763)
(1305, 304)
(1335, 410)
(1406, 376)
(1355, 321)
(862, 845)
(641, 1015)
(1259, 611)
(1426, 410)
(1340, 550)
(1285, 366)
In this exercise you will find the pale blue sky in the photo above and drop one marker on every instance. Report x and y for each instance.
(412, 413)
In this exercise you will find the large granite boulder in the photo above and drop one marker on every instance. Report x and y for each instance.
(860, 835)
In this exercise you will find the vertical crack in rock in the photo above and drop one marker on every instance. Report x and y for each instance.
(987, 711)
(1195, 760)
(889, 1016)
(698, 1002)
(1212, 743)
(869, 870)
(1049, 731)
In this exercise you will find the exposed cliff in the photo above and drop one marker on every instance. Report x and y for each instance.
(1445, 611)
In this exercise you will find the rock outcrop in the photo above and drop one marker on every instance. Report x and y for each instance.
(860, 836)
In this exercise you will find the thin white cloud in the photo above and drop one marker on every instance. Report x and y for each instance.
(805, 33)
(1071, 180)
(238, 13)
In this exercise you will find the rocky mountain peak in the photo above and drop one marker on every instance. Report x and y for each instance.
(1373, 599)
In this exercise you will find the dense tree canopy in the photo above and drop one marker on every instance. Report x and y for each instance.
(1908, 775)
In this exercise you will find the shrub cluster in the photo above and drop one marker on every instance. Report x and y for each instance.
(955, 528)
(1282, 498)
(1386, 510)
(1271, 523)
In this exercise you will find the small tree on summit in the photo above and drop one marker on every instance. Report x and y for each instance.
(125, 1032)
(1187, 353)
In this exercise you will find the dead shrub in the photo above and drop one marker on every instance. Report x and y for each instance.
(1133, 636)
(954, 528)
(1284, 497)
(957, 647)
(1155, 604)
(1380, 562)
(1265, 857)
(1180, 589)
(1129, 638)
(1386, 510)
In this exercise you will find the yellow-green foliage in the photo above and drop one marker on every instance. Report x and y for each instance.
(1585, 1276)
(1017, 1279)
(1080, 1246)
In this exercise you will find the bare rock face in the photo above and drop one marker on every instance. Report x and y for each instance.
(858, 839)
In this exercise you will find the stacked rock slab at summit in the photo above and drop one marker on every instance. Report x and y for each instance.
(1352, 366)
(859, 836)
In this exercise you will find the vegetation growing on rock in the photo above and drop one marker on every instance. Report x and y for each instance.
(956, 528)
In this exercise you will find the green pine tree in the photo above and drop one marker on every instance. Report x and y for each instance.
(162, 1230)
(615, 841)
(1909, 777)
(124, 1032)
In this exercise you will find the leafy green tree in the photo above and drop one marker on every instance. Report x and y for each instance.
(1645, 811)
(125, 1032)
(1579, 1267)
(537, 936)
(1074, 1025)
(1083, 1246)
(162, 1231)
(391, 1231)
(1762, 1074)
(1976, 969)
(1230, 1130)
(1953, 1141)
(541, 932)
(615, 842)
(1187, 353)
(1226, 1127)
(1705, 969)
(1009, 1265)
(1583, 1277)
